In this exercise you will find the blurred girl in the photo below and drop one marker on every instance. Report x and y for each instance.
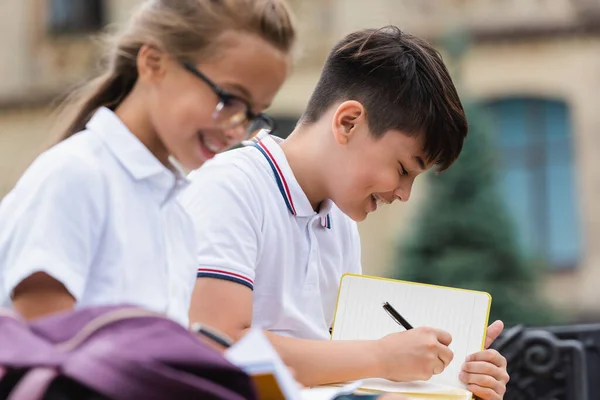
(94, 220)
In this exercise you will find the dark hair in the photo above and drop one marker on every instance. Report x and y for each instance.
(187, 30)
(402, 82)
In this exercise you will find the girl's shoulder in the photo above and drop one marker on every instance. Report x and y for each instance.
(74, 164)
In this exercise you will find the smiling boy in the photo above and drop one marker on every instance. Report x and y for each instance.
(276, 220)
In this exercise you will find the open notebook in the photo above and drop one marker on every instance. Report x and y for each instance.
(462, 313)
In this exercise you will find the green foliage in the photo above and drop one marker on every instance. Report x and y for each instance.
(465, 237)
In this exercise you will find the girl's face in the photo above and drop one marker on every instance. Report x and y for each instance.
(198, 110)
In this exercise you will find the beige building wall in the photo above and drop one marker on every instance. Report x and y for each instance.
(34, 67)
(23, 134)
(552, 66)
(568, 69)
(14, 46)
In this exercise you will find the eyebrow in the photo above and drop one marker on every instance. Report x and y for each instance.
(419, 161)
(245, 92)
(237, 87)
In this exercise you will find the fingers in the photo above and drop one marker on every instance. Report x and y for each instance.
(493, 331)
(485, 368)
(484, 393)
(445, 355)
(443, 337)
(433, 353)
(490, 356)
(485, 375)
(484, 381)
(439, 367)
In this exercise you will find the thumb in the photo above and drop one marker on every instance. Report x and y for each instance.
(493, 331)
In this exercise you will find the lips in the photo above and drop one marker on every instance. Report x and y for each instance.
(376, 201)
(209, 148)
(373, 203)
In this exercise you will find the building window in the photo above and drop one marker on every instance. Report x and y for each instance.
(537, 176)
(75, 16)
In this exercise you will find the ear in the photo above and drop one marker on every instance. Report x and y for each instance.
(151, 63)
(347, 118)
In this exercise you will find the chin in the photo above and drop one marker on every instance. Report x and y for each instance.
(354, 212)
(356, 216)
(195, 160)
(362, 217)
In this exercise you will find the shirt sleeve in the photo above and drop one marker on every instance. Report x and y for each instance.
(226, 213)
(51, 222)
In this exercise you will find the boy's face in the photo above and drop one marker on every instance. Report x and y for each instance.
(369, 172)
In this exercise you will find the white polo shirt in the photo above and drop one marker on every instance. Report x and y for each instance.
(98, 212)
(255, 226)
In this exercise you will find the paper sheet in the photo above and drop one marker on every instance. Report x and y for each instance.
(462, 313)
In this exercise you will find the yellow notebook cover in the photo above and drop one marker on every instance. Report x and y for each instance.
(463, 313)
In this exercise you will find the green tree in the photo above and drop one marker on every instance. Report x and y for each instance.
(465, 237)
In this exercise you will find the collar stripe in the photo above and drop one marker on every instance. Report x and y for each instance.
(279, 178)
(326, 221)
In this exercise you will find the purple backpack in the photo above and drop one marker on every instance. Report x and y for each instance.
(116, 353)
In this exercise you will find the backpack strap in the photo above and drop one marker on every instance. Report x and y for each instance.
(34, 385)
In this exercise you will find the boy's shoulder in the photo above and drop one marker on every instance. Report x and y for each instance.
(235, 173)
(244, 166)
(236, 166)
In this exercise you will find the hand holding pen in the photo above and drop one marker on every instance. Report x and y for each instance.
(414, 354)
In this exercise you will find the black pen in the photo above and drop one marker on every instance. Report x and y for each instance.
(396, 316)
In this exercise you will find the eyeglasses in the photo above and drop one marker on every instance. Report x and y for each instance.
(233, 111)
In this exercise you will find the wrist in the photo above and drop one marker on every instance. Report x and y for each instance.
(376, 350)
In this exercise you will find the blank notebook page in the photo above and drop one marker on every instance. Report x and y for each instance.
(462, 313)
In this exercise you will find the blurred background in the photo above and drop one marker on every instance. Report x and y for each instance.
(529, 72)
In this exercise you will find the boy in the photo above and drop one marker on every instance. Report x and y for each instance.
(276, 219)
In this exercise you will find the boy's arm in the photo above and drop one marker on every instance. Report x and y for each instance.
(227, 306)
(228, 212)
(404, 356)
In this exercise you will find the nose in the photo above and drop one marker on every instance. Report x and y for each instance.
(402, 193)
(235, 134)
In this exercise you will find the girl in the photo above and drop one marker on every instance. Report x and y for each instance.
(94, 220)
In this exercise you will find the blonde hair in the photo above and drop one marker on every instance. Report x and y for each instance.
(187, 30)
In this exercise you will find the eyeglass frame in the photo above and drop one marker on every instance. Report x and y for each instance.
(224, 96)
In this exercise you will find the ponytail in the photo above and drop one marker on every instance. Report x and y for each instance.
(187, 29)
(107, 90)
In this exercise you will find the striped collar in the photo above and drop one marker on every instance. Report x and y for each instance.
(293, 195)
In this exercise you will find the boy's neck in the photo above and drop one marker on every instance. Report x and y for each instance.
(304, 157)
